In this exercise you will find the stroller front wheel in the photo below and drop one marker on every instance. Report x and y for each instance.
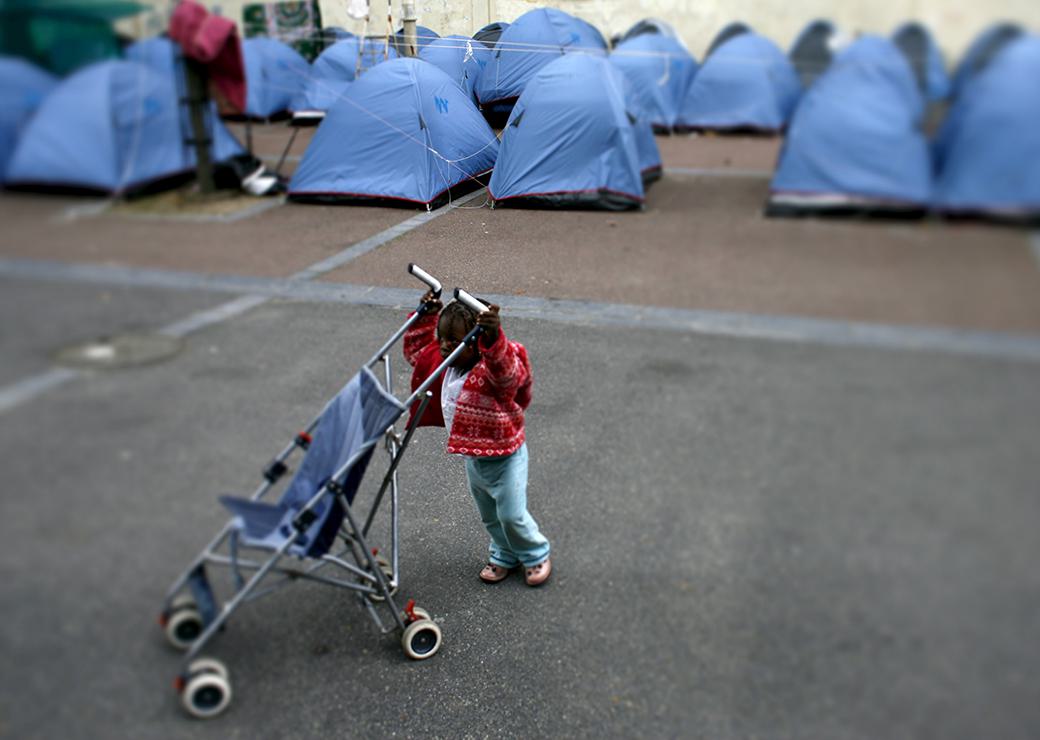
(421, 639)
(208, 692)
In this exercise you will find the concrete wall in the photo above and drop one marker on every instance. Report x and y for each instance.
(954, 22)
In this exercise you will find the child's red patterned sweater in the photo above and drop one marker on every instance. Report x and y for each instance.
(489, 417)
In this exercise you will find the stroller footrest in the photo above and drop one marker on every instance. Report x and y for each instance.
(259, 520)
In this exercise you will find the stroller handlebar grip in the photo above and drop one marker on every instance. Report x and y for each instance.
(464, 297)
(434, 283)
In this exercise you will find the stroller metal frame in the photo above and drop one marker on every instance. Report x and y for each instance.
(191, 615)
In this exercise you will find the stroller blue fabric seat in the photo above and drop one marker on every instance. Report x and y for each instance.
(343, 441)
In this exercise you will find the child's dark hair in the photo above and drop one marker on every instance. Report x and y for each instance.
(458, 311)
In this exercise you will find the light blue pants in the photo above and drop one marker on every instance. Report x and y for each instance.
(499, 486)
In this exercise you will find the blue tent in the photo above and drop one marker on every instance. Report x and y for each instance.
(570, 142)
(990, 149)
(647, 25)
(423, 36)
(459, 57)
(660, 69)
(728, 31)
(986, 46)
(490, 33)
(275, 77)
(813, 50)
(529, 44)
(746, 83)
(855, 142)
(404, 132)
(920, 49)
(159, 53)
(335, 68)
(23, 87)
(112, 127)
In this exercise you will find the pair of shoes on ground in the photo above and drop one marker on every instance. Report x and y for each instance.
(536, 575)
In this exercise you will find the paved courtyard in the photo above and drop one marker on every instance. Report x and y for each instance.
(788, 467)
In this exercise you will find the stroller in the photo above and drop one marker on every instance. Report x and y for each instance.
(313, 533)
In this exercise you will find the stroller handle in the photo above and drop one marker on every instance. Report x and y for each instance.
(434, 283)
(464, 297)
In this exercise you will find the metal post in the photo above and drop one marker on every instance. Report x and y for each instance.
(198, 102)
(410, 45)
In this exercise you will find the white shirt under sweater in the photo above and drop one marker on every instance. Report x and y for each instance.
(451, 387)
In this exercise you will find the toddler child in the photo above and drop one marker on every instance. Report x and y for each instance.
(480, 399)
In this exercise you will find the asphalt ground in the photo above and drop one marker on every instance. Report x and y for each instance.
(752, 537)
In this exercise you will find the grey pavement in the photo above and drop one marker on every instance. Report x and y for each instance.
(751, 539)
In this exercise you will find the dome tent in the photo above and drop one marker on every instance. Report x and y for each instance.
(23, 87)
(570, 142)
(986, 46)
(647, 25)
(660, 69)
(813, 50)
(331, 73)
(526, 46)
(990, 158)
(729, 31)
(746, 84)
(423, 36)
(490, 33)
(855, 143)
(158, 52)
(275, 77)
(404, 132)
(920, 49)
(459, 57)
(113, 127)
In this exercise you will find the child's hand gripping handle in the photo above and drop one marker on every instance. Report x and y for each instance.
(464, 297)
(482, 311)
(434, 283)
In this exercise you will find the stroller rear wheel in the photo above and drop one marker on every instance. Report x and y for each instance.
(182, 623)
(421, 638)
(207, 692)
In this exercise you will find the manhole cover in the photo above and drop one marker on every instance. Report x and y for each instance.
(124, 350)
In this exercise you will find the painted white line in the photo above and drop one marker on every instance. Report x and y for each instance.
(31, 387)
(259, 207)
(85, 210)
(223, 312)
(367, 245)
(825, 332)
(258, 291)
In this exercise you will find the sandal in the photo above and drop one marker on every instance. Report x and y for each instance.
(492, 573)
(536, 575)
